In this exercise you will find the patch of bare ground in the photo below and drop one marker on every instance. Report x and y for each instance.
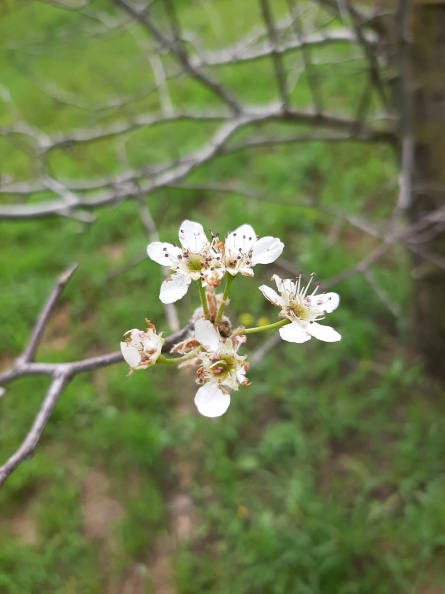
(113, 251)
(21, 523)
(182, 518)
(22, 527)
(155, 572)
(133, 581)
(99, 510)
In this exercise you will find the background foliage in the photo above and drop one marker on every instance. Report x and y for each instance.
(326, 475)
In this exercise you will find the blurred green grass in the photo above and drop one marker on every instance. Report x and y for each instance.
(326, 474)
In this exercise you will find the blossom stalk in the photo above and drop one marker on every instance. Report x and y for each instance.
(266, 327)
(225, 297)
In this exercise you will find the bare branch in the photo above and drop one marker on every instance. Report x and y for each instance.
(269, 344)
(42, 321)
(141, 121)
(354, 220)
(31, 440)
(392, 307)
(61, 374)
(239, 53)
(426, 255)
(405, 107)
(180, 55)
(133, 182)
(280, 75)
(369, 52)
(305, 52)
(162, 86)
(404, 235)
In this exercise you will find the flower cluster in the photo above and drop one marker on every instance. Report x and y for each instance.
(208, 261)
(213, 346)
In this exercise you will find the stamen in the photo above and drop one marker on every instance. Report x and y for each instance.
(298, 284)
(309, 284)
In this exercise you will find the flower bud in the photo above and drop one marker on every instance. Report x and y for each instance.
(141, 349)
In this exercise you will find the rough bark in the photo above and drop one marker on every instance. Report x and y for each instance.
(426, 61)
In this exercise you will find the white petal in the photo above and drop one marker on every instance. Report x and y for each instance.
(174, 287)
(271, 295)
(192, 236)
(242, 238)
(130, 354)
(206, 334)
(330, 302)
(160, 252)
(211, 401)
(294, 333)
(154, 343)
(241, 375)
(284, 285)
(245, 271)
(267, 250)
(325, 333)
(134, 333)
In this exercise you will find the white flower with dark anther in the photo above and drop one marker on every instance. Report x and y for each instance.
(243, 250)
(141, 349)
(221, 369)
(198, 258)
(303, 310)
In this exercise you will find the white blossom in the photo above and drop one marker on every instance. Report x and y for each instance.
(198, 258)
(221, 369)
(243, 250)
(141, 349)
(303, 310)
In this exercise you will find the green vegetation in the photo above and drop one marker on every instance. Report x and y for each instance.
(326, 475)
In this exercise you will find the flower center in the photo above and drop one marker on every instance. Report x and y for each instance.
(223, 365)
(299, 310)
(195, 263)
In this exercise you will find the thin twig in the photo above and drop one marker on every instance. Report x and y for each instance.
(280, 75)
(369, 52)
(260, 353)
(193, 70)
(312, 79)
(149, 179)
(392, 307)
(33, 436)
(37, 332)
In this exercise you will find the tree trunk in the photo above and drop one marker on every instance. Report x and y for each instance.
(426, 88)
